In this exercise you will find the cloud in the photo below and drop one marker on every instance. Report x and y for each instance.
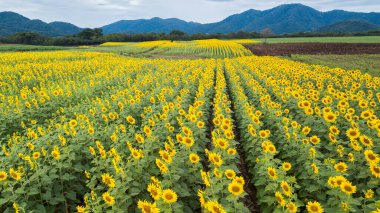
(96, 13)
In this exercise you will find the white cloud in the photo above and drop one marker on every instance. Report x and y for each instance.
(96, 13)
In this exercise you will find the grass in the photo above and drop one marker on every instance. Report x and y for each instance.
(355, 39)
(21, 47)
(366, 63)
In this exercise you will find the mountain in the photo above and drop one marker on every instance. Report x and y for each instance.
(287, 18)
(154, 25)
(353, 26)
(65, 28)
(11, 23)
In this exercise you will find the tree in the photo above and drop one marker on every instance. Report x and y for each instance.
(266, 33)
(27, 38)
(176, 35)
(89, 34)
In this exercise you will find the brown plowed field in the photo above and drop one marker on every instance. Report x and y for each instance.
(314, 48)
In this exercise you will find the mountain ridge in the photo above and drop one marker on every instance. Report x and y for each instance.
(286, 18)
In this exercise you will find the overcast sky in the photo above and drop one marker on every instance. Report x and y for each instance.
(96, 13)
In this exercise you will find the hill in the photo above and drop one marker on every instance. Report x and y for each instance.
(11, 23)
(352, 26)
(288, 18)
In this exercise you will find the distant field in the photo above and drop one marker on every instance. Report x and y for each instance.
(365, 62)
(19, 47)
(356, 39)
(207, 48)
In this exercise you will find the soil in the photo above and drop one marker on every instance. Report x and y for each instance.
(313, 48)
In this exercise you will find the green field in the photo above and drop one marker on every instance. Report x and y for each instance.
(356, 39)
(21, 47)
(366, 63)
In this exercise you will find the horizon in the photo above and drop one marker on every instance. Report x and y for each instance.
(135, 7)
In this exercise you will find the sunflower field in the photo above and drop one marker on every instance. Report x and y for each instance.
(87, 131)
(208, 48)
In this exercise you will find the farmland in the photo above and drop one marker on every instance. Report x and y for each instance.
(211, 48)
(225, 131)
(354, 39)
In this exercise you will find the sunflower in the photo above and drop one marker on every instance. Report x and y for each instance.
(348, 188)
(230, 174)
(91, 131)
(3, 176)
(330, 117)
(147, 207)
(136, 153)
(375, 170)
(231, 151)
(339, 180)
(264, 134)
(371, 157)
(369, 194)
(108, 199)
(235, 188)
(217, 173)
(200, 124)
(215, 159)
(272, 173)
(345, 206)
(215, 207)
(36, 155)
(314, 207)
(108, 180)
(187, 131)
(292, 208)
(194, 158)
(81, 209)
(169, 196)
(306, 130)
(286, 166)
(240, 180)
(366, 141)
(366, 114)
(332, 182)
(340, 167)
(163, 168)
(189, 142)
(352, 133)
(222, 143)
(147, 131)
(154, 191)
(280, 199)
(205, 178)
(73, 123)
(334, 130)
(165, 156)
(315, 168)
(55, 153)
(130, 119)
(315, 140)
(139, 138)
(286, 189)
(272, 149)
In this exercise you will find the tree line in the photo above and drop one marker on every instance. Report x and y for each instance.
(96, 36)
